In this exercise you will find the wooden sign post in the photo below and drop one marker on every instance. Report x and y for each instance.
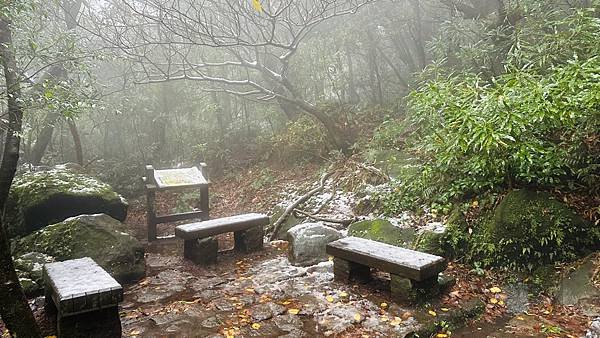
(174, 180)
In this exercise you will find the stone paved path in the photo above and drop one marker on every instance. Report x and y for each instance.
(257, 295)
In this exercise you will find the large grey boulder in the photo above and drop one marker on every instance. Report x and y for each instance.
(98, 236)
(40, 198)
(307, 243)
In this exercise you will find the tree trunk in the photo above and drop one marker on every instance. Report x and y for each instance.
(14, 309)
(55, 73)
(76, 141)
(44, 138)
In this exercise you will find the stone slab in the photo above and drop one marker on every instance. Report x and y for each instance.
(220, 225)
(411, 264)
(80, 285)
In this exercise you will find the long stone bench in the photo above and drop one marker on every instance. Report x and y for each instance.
(413, 273)
(85, 298)
(201, 247)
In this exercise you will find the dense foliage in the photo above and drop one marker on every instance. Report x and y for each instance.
(536, 124)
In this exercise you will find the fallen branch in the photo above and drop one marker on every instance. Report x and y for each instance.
(291, 207)
(346, 221)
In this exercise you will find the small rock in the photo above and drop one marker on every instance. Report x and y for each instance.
(594, 331)
(308, 242)
(288, 322)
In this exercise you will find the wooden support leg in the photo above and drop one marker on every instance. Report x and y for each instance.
(407, 290)
(151, 216)
(101, 323)
(201, 251)
(249, 240)
(344, 271)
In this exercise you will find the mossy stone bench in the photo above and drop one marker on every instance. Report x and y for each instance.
(201, 247)
(85, 298)
(412, 273)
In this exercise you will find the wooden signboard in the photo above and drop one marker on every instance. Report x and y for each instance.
(175, 180)
(179, 177)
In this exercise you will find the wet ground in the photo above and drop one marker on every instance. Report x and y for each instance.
(256, 295)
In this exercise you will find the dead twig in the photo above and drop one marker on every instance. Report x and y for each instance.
(345, 222)
(290, 208)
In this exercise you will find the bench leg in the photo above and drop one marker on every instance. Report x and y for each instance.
(344, 271)
(201, 251)
(407, 290)
(249, 240)
(101, 323)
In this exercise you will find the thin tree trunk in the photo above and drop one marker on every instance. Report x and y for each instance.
(71, 10)
(44, 138)
(14, 309)
(76, 141)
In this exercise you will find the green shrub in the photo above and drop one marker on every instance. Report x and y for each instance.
(303, 140)
(536, 125)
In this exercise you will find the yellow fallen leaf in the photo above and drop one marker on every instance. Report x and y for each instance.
(501, 302)
(442, 335)
(250, 290)
(357, 317)
(396, 321)
(384, 305)
(384, 318)
(445, 309)
(343, 294)
(432, 313)
(520, 318)
(257, 5)
(293, 311)
(256, 326)
(329, 299)
(493, 301)
(495, 289)
(286, 302)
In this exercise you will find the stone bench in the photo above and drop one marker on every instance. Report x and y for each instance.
(413, 273)
(201, 247)
(85, 298)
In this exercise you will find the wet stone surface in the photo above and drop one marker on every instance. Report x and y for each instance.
(254, 295)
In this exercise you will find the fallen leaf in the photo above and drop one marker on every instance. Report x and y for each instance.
(396, 321)
(493, 301)
(501, 302)
(432, 313)
(357, 317)
(293, 311)
(384, 305)
(343, 294)
(445, 309)
(495, 289)
(329, 299)
(256, 326)
(442, 335)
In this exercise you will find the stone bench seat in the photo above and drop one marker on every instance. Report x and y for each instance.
(411, 272)
(85, 297)
(201, 247)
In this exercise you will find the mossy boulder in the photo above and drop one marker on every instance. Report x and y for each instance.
(531, 228)
(99, 236)
(29, 269)
(383, 231)
(430, 238)
(40, 198)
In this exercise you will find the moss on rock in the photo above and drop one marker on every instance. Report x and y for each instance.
(383, 231)
(40, 198)
(99, 236)
(531, 228)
